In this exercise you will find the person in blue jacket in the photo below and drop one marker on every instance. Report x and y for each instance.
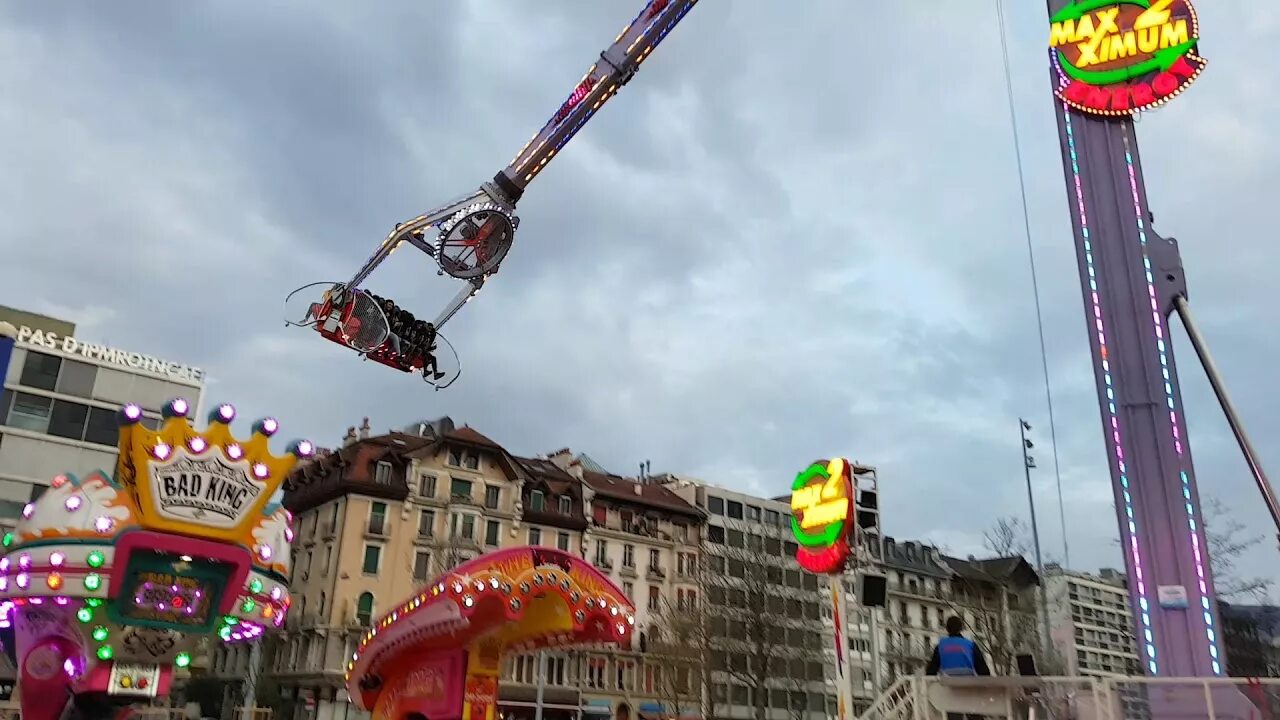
(956, 654)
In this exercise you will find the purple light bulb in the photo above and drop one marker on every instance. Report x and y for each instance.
(103, 524)
(28, 510)
(179, 407)
(226, 412)
(133, 412)
(73, 503)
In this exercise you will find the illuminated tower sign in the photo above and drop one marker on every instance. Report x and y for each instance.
(1117, 57)
(822, 513)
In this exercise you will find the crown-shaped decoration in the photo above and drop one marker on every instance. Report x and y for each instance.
(206, 484)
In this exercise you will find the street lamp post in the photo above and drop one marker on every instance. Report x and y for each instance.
(1029, 462)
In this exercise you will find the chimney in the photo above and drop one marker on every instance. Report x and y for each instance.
(561, 458)
(350, 437)
(364, 428)
(639, 490)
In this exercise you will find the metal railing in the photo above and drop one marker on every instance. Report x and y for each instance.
(1079, 698)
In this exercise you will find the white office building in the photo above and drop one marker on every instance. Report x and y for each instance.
(1090, 622)
(60, 398)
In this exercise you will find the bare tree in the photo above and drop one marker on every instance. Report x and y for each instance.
(1001, 609)
(681, 646)
(1226, 545)
(755, 618)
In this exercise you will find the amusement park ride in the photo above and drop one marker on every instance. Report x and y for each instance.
(112, 581)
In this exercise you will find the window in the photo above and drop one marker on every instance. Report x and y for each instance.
(629, 589)
(427, 485)
(68, 419)
(629, 556)
(460, 489)
(681, 531)
(471, 461)
(602, 554)
(372, 559)
(102, 427)
(491, 530)
(715, 534)
(328, 560)
(31, 412)
(40, 370)
(464, 526)
(492, 495)
(377, 518)
(426, 523)
(566, 504)
(655, 597)
(735, 510)
(536, 500)
(771, 517)
(455, 458)
(77, 379)
(600, 514)
(562, 541)
(364, 609)
(753, 513)
(654, 558)
(382, 473)
(535, 536)
(715, 505)
(421, 565)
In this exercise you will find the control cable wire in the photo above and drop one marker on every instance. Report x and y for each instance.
(1035, 283)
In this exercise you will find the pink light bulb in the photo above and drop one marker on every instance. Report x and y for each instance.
(198, 444)
(23, 580)
(161, 451)
(103, 524)
(55, 559)
(260, 471)
(24, 561)
(73, 503)
(28, 510)
(234, 451)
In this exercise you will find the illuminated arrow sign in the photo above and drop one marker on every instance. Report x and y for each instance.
(1117, 57)
(822, 507)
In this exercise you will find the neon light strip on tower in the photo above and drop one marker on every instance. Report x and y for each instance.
(1158, 317)
(1148, 639)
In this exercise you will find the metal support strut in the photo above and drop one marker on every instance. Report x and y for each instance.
(1229, 409)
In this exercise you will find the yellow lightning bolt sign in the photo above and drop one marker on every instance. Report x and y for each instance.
(1155, 16)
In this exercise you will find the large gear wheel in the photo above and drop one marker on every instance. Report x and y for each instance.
(475, 240)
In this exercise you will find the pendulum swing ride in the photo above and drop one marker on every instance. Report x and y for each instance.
(469, 237)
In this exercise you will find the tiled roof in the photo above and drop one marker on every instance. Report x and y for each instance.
(471, 435)
(624, 489)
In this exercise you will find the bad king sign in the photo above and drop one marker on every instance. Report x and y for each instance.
(204, 489)
(1117, 57)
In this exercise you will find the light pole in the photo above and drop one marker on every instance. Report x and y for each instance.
(1029, 462)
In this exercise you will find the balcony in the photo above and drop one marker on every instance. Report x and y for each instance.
(629, 570)
(603, 563)
(655, 573)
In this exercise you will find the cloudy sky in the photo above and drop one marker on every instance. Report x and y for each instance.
(797, 233)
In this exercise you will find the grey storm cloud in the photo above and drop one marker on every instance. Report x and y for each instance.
(796, 233)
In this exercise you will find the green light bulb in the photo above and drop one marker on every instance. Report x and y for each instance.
(255, 585)
(93, 602)
(105, 652)
(92, 581)
(225, 632)
(84, 614)
(247, 606)
(182, 660)
(8, 539)
(100, 633)
(230, 619)
(96, 559)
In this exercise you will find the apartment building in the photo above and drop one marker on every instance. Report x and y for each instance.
(383, 514)
(768, 648)
(919, 602)
(1090, 622)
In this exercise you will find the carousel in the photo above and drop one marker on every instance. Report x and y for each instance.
(111, 581)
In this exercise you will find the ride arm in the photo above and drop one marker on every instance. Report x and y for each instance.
(614, 69)
(418, 232)
(462, 298)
